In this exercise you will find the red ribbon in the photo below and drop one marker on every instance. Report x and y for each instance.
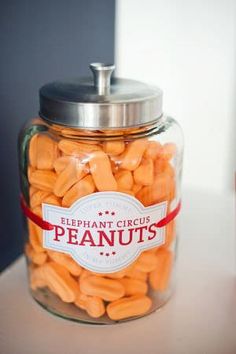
(33, 217)
(170, 216)
(47, 226)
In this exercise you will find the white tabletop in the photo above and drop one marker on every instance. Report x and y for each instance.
(200, 318)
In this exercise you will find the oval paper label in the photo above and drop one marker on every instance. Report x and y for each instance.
(105, 231)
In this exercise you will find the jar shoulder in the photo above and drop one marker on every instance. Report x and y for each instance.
(169, 130)
(170, 122)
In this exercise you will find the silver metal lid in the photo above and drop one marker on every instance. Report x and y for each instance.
(104, 102)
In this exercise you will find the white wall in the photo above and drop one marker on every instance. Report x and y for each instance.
(187, 47)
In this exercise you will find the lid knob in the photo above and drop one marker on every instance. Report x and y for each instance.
(102, 76)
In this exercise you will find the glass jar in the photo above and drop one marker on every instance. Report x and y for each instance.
(100, 178)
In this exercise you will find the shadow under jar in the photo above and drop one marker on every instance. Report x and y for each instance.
(100, 174)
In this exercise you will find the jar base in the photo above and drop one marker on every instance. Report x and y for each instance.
(50, 302)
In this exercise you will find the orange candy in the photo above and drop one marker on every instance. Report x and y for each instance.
(100, 168)
(168, 151)
(124, 180)
(162, 189)
(170, 234)
(42, 152)
(133, 154)
(43, 180)
(61, 173)
(146, 262)
(35, 237)
(106, 289)
(38, 258)
(159, 277)
(84, 187)
(126, 307)
(113, 147)
(59, 281)
(153, 150)
(134, 286)
(76, 149)
(66, 179)
(66, 261)
(144, 174)
(37, 279)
